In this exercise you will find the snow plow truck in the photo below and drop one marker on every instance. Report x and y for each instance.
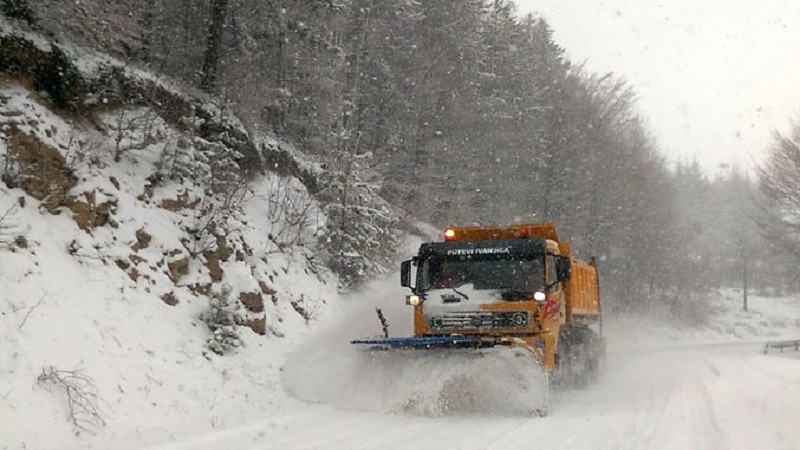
(514, 291)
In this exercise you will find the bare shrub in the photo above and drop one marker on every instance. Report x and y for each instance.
(13, 235)
(134, 130)
(29, 310)
(211, 214)
(82, 399)
(309, 308)
(8, 226)
(76, 150)
(289, 209)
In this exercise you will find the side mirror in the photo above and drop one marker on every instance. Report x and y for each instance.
(563, 268)
(405, 274)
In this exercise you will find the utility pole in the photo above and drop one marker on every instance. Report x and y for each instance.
(744, 281)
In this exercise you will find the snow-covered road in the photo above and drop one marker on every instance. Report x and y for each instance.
(690, 396)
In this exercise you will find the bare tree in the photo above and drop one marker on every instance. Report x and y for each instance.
(779, 182)
(778, 200)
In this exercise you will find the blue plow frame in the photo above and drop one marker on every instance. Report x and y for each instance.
(425, 342)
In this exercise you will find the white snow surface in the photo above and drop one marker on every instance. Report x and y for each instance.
(661, 389)
(150, 383)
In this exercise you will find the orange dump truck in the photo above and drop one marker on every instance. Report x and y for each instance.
(515, 286)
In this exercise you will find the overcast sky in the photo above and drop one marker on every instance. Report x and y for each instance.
(714, 77)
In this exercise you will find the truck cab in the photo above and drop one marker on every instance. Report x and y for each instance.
(496, 283)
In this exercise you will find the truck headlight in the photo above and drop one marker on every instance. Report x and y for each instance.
(539, 296)
(413, 300)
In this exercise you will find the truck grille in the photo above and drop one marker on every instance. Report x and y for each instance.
(473, 320)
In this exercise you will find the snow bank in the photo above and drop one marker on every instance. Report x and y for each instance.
(755, 400)
(767, 318)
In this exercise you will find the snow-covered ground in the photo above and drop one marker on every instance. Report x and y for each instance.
(701, 390)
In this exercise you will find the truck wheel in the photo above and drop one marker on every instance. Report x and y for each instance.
(592, 369)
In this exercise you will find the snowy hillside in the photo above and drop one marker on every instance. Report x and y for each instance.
(106, 269)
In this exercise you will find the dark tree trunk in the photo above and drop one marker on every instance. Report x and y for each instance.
(146, 22)
(213, 50)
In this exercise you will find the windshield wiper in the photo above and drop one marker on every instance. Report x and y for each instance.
(460, 293)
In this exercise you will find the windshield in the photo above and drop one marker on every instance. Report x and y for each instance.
(504, 275)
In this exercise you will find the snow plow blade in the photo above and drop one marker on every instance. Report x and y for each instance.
(424, 343)
(460, 374)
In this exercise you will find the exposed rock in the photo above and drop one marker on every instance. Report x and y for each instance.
(89, 215)
(133, 274)
(258, 325)
(224, 251)
(214, 268)
(136, 259)
(42, 171)
(300, 310)
(126, 267)
(178, 268)
(20, 241)
(247, 250)
(179, 203)
(252, 301)
(265, 289)
(147, 194)
(142, 240)
(170, 299)
(201, 289)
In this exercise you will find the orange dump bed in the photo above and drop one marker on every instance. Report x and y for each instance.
(583, 302)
